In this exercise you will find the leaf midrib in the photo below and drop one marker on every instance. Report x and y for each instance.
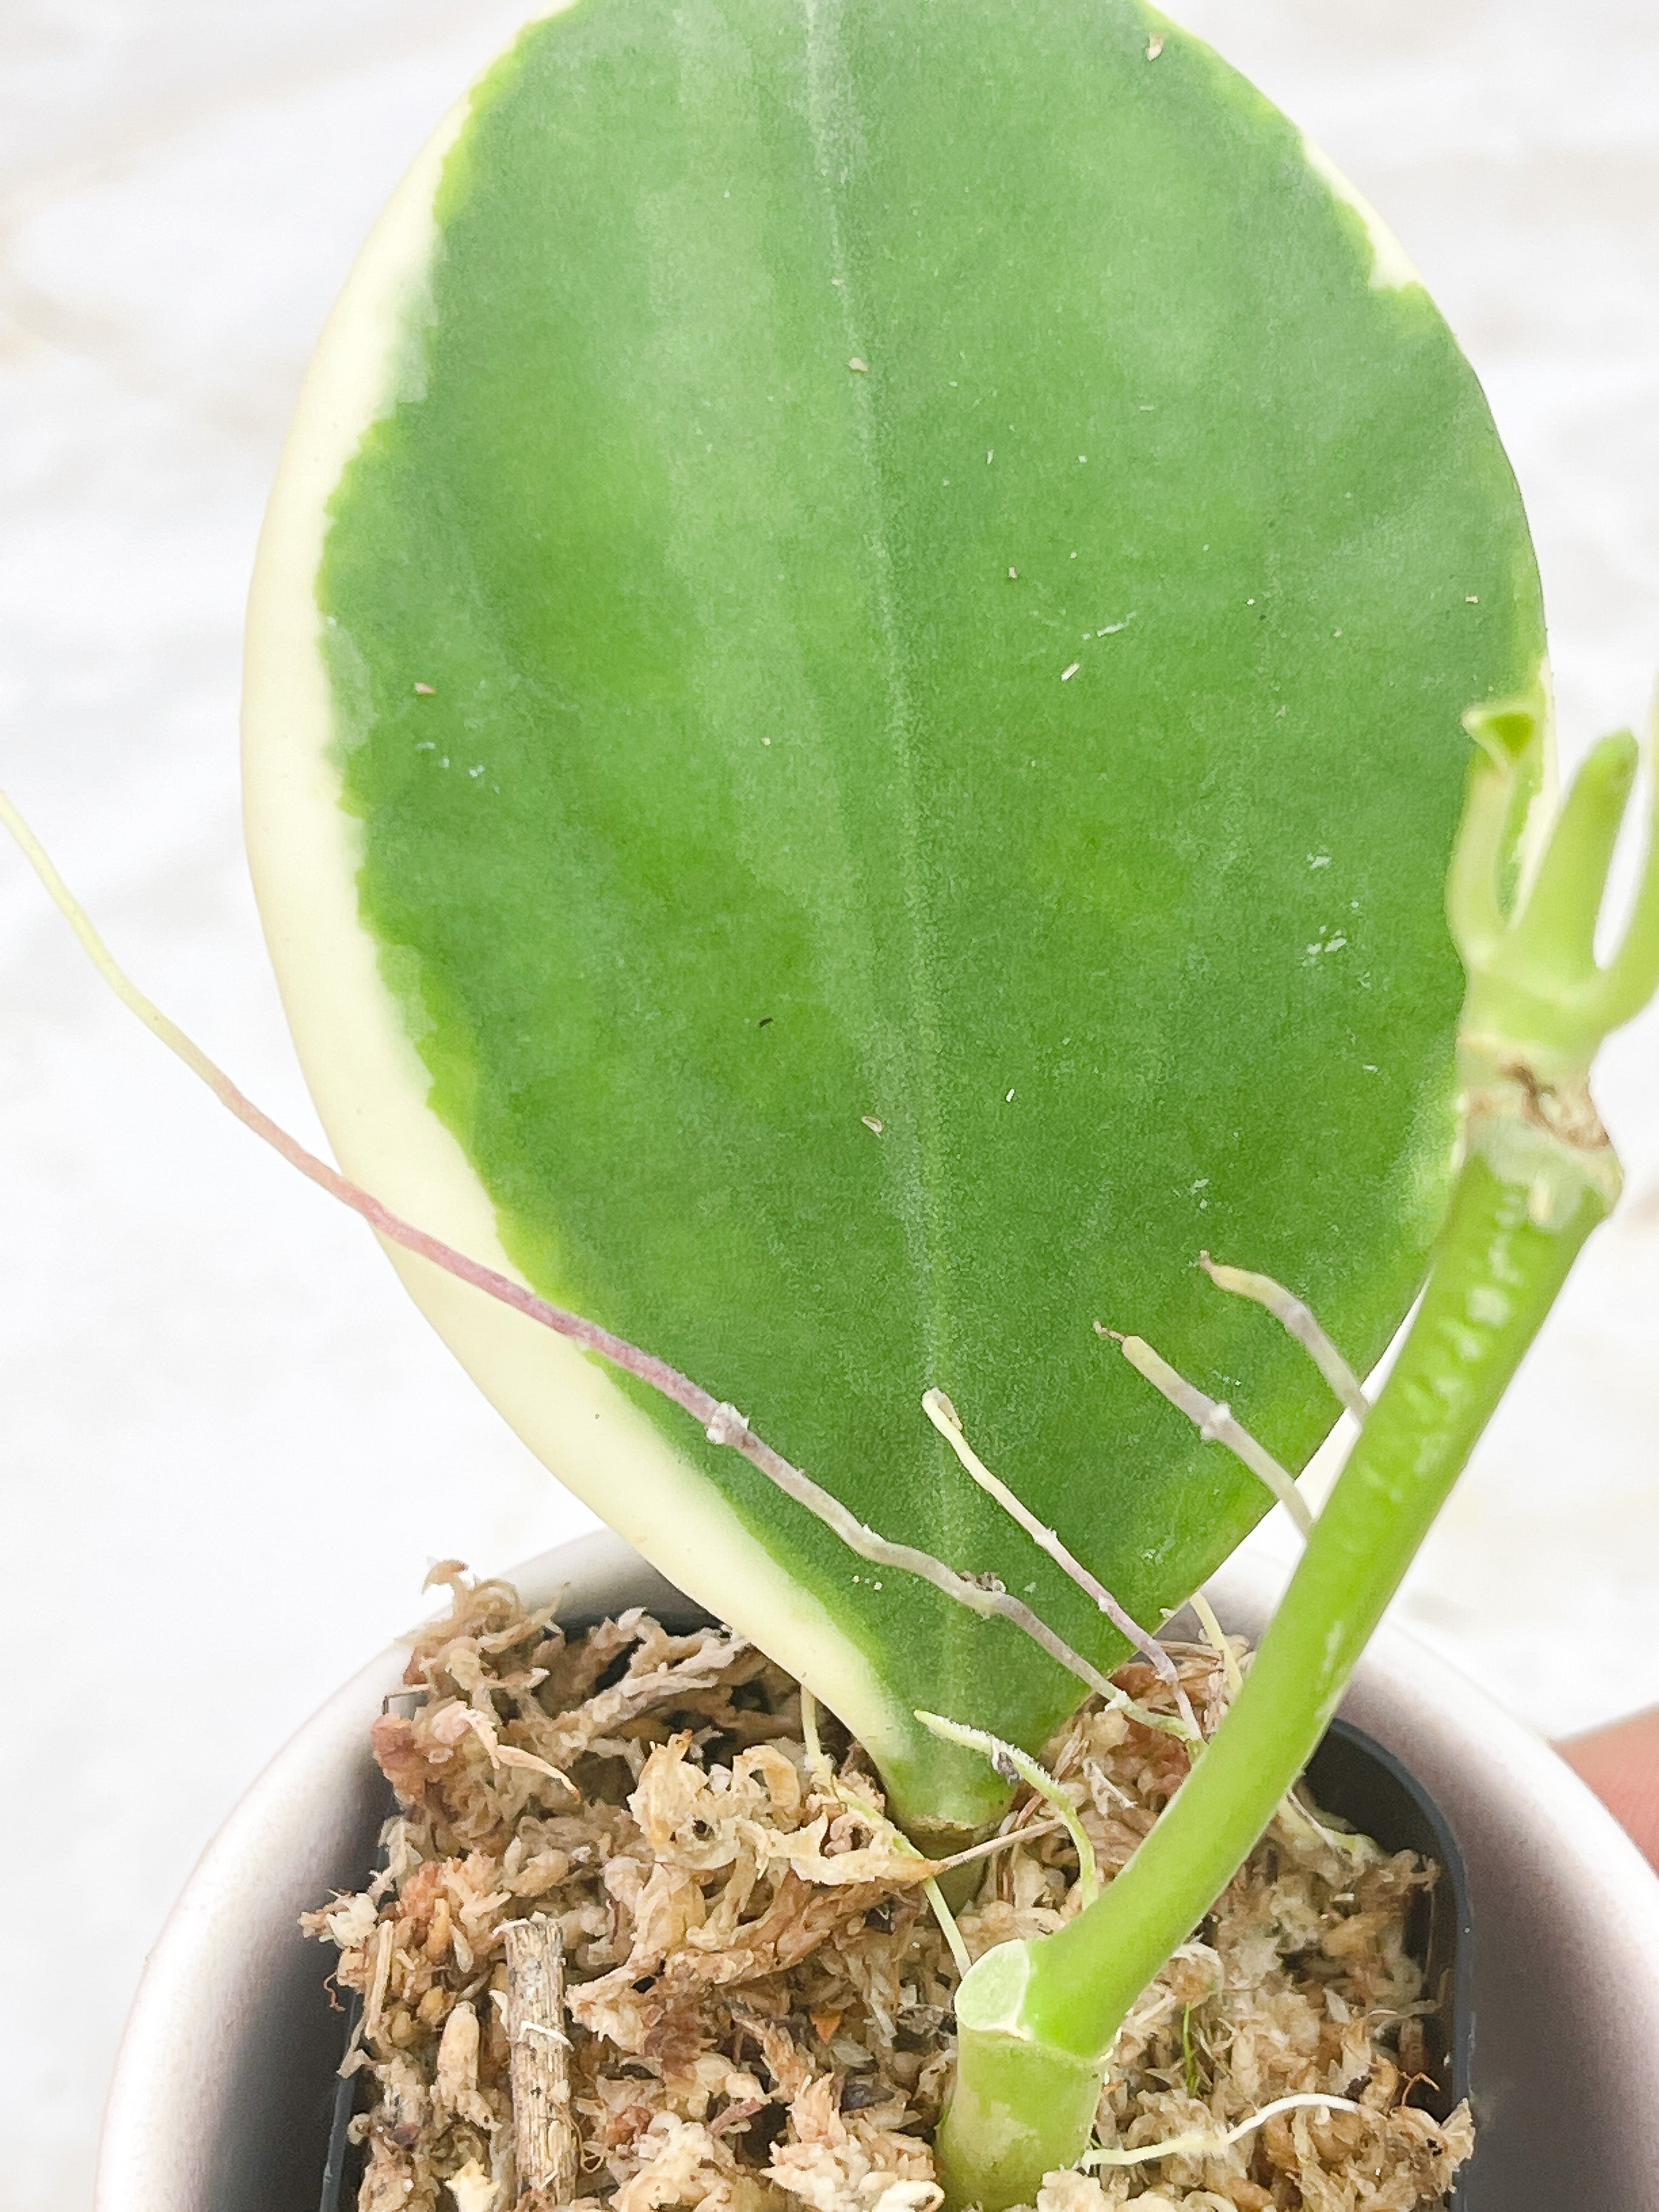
(916, 1161)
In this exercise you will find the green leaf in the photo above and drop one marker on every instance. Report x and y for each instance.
(873, 563)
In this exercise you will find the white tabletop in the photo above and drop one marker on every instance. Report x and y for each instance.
(229, 1446)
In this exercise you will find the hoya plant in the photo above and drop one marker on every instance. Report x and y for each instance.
(863, 675)
(851, 743)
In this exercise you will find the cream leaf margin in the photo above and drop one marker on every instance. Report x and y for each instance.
(369, 1084)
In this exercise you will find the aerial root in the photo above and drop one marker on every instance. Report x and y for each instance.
(823, 1768)
(946, 1419)
(1232, 1673)
(1298, 1318)
(1014, 1764)
(1202, 2146)
(1213, 1420)
(721, 1422)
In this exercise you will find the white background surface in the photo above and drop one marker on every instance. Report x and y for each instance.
(228, 1448)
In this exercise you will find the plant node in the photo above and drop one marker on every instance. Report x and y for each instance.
(1524, 909)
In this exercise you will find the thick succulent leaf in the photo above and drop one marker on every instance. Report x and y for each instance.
(854, 735)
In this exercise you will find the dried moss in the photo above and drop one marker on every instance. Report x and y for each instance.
(759, 1995)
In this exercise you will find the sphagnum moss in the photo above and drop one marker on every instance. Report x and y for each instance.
(758, 2004)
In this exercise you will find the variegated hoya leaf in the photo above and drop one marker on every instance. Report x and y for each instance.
(853, 736)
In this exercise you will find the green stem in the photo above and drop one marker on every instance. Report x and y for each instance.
(1496, 1276)
(1037, 2021)
(1047, 2012)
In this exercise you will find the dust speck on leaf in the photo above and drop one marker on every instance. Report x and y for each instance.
(1154, 45)
(426, 690)
(861, 367)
